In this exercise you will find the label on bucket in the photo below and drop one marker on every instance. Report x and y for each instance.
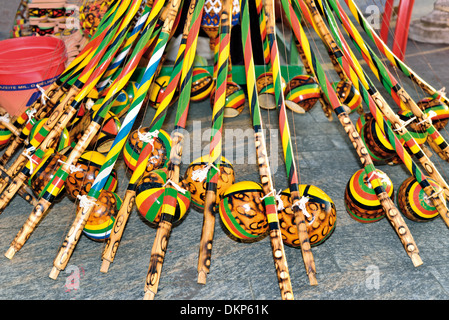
(28, 86)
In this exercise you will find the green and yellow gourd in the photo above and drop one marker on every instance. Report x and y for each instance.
(413, 202)
(150, 195)
(5, 136)
(361, 200)
(124, 99)
(302, 91)
(202, 84)
(265, 90)
(160, 154)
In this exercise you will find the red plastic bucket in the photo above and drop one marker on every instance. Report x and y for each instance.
(25, 64)
(26, 49)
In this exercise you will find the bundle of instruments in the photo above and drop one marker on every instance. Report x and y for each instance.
(73, 132)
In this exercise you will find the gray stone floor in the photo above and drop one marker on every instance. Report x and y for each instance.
(358, 262)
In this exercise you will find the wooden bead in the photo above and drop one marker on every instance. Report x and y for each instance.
(320, 223)
(413, 201)
(101, 220)
(150, 196)
(361, 201)
(242, 211)
(198, 188)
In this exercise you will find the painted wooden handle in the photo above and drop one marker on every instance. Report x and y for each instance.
(117, 230)
(8, 125)
(303, 236)
(9, 152)
(205, 254)
(54, 92)
(27, 229)
(11, 190)
(275, 235)
(43, 110)
(281, 265)
(66, 250)
(25, 192)
(71, 239)
(442, 153)
(157, 259)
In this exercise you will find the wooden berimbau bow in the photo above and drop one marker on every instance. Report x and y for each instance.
(262, 159)
(290, 163)
(215, 152)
